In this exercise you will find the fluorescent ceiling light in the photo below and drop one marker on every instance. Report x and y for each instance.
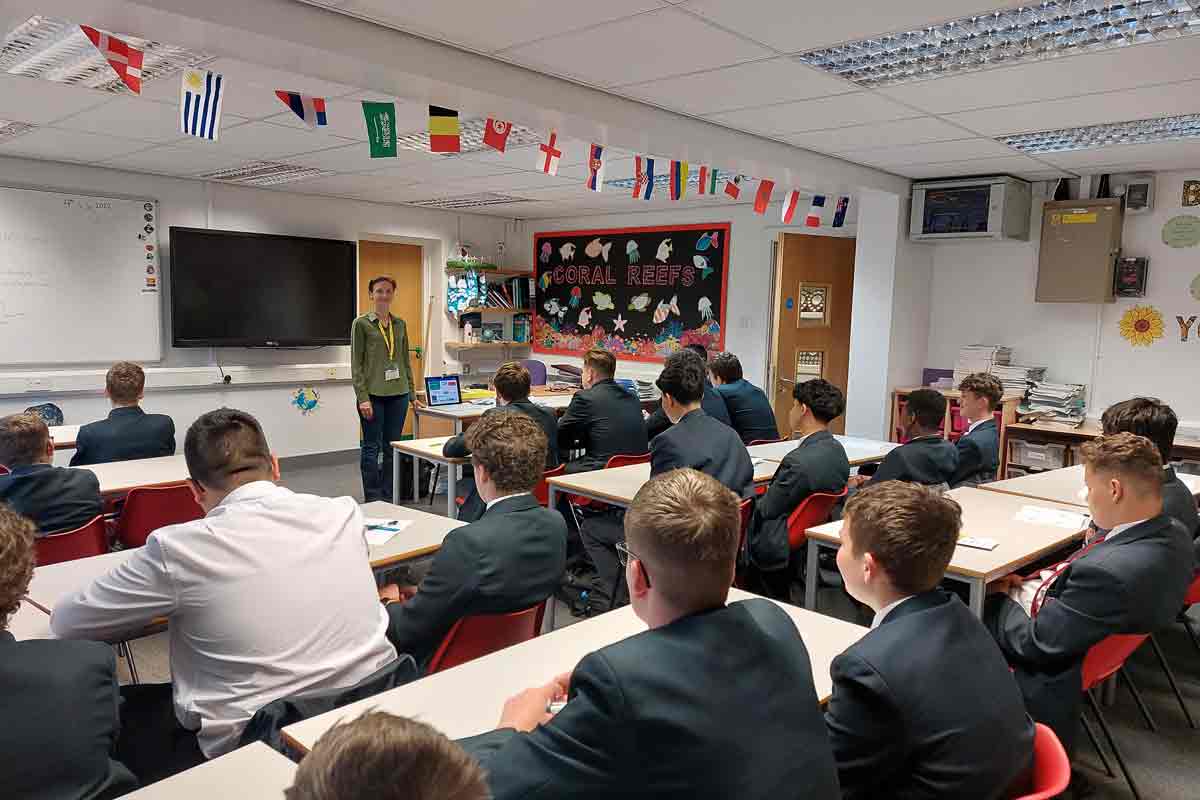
(470, 136)
(57, 50)
(476, 200)
(11, 130)
(264, 173)
(1007, 36)
(1142, 131)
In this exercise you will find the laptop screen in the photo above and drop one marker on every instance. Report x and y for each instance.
(443, 391)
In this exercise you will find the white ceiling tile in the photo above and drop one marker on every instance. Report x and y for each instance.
(1093, 109)
(411, 116)
(438, 168)
(1127, 68)
(854, 108)
(42, 102)
(134, 118)
(930, 153)
(168, 160)
(344, 118)
(790, 27)
(757, 83)
(879, 134)
(1014, 165)
(491, 26)
(515, 182)
(356, 158)
(613, 169)
(649, 46)
(363, 186)
(1154, 156)
(74, 146)
(264, 140)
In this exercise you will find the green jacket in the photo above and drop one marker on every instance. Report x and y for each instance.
(369, 358)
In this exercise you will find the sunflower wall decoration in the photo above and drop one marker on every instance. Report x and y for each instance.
(1142, 325)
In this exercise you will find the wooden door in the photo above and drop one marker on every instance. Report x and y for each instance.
(403, 262)
(814, 282)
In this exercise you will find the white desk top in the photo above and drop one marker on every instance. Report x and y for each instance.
(858, 451)
(119, 477)
(429, 449)
(466, 700)
(424, 536)
(993, 515)
(470, 410)
(64, 436)
(619, 484)
(1063, 485)
(254, 771)
(30, 622)
(53, 582)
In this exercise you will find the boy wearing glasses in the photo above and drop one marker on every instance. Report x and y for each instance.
(670, 713)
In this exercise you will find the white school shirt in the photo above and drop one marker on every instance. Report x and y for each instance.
(268, 595)
(976, 424)
(882, 613)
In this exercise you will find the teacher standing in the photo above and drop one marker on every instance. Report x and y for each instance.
(383, 385)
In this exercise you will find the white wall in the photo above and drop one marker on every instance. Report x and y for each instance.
(983, 293)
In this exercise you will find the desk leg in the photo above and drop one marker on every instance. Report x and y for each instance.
(451, 489)
(416, 461)
(978, 590)
(550, 498)
(811, 577)
(395, 473)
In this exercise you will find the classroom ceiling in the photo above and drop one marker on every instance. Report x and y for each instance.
(730, 62)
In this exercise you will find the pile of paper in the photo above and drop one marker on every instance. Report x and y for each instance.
(1057, 402)
(565, 376)
(1017, 378)
(979, 358)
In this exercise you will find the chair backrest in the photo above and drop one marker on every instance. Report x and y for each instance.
(1108, 655)
(3, 470)
(622, 460)
(1051, 767)
(148, 508)
(813, 510)
(541, 492)
(537, 371)
(475, 636)
(745, 509)
(765, 441)
(83, 542)
(1193, 594)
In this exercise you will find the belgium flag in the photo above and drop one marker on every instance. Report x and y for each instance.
(443, 130)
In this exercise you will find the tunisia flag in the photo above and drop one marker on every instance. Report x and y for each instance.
(495, 135)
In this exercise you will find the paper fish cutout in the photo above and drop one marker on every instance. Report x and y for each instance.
(631, 251)
(567, 252)
(701, 263)
(547, 279)
(708, 240)
(554, 308)
(602, 301)
(576, 296)
(545, 256)
(705, 307)
(597, 248)
(639, 303)
(664, 250)
(619, 323)
(664, 309)
(585, 317)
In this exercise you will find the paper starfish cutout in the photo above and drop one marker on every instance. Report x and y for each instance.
(619, 323)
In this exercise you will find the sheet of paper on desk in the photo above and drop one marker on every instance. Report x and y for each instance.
(1068, 520)
(380, 529)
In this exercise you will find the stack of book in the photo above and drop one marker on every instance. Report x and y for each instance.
(647, 390)
(1017, 378)
(565, 375)
(1057, 402)
(513, 293)
(979, 358)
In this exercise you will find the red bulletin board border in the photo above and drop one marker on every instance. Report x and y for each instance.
(725, 227)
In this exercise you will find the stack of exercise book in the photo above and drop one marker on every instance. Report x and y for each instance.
(979, 358)
(1017, 378)
(1064, 403)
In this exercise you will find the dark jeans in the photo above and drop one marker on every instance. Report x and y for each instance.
(378, 433)
(600, 534)
(152, 742)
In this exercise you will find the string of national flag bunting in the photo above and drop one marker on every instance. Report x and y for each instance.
(202, 92)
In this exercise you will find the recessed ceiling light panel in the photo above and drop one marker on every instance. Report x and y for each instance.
(664, 177)
(1143, 131)
(476, 200)
(11, 130)
(470, 138)
(264, 173)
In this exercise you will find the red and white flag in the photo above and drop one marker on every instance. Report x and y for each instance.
(790, 201)
(125, 59)
(813, 220)
(733, 186)
(763, 198)
(495, 135)
(548, 155)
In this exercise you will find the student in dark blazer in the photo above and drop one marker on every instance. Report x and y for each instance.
(128, 432)
(908, 718)
(979, 446)
(511, 383)
(603, 418)
(818, 464)
(511, 559)
(749, 409)
(58, 699)
(1130, 579)
(926, 458)
(712, 402)
(676, 712)
(55, 498)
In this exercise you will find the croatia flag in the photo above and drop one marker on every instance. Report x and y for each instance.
(125, 59)
(595, 180)
(548, 155)
(839, 213)
(495, 135)
(679, 179)
(643, 177)
(708, 180)
(813, 220)
(733, 186)
(308, 108)
(789, 206)
(763, 198)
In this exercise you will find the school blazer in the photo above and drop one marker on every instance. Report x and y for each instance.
(713, 706)
(55, 498)
(126, 434)
(700, 442)
(510, 559)
(909, 721)
(1134, 583)
(1180, 505)
(749, 410)
(929, 460)
(456, 446)
(60, 702)
(978, 455)
(712, 403)
(817, 464)
(605, 421)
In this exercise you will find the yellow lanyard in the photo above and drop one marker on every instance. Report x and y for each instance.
(389, 338)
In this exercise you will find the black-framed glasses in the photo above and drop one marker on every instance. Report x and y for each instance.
(623, 556)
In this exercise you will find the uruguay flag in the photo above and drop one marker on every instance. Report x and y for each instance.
(200, 99)
(308, 108)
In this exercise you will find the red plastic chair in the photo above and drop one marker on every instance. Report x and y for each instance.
(149, 508)
(479, 635)
(1051, 767)
(813, 510)
(1103, 660)
(3, 470)
(85, 541)
(542, 491)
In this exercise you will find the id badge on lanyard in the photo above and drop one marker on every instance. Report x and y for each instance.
(389, 338)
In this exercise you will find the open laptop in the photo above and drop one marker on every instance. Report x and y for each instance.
(443, 390)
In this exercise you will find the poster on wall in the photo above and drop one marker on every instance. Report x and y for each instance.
(641, 293)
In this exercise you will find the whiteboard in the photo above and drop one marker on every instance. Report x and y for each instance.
(79, 278)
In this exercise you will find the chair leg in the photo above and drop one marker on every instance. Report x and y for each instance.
(1137, 698)
(1091, 734)
(1162, 659)
(437, 473)
(1112, 743)
(1187, 623)
(126, 652)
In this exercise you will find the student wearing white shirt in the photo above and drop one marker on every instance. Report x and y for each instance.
(268, 595)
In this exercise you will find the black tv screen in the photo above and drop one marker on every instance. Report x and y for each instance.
(235, 289)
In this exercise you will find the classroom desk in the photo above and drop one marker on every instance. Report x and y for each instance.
(423, 537)
(30, 622)
(1063, 485)
(64, 436)
(118, 477)
(254, 771)
(858, 450)
(53, 582)
(427, 450)
(466, 700)
(990, 515)
(618, 485)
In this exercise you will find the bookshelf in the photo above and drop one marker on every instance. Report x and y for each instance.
(491, 273)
